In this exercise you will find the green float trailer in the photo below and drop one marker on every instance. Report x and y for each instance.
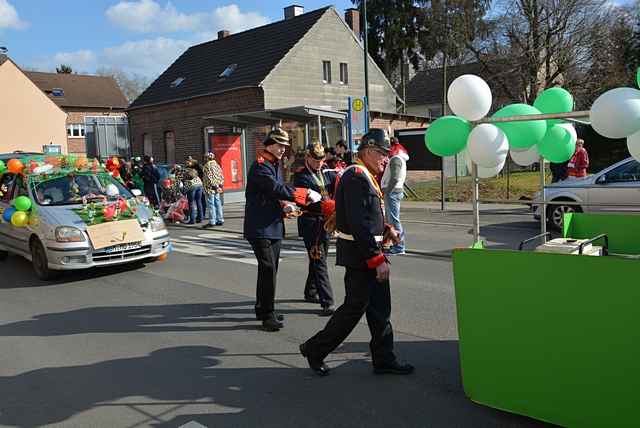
(553, 336)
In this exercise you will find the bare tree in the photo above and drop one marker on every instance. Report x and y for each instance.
(531, 45)
(131, 84)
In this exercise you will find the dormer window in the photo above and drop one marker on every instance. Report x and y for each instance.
(57, 92)
(228, 71)
(177, 82)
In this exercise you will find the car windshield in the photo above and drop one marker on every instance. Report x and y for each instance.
(72, 189)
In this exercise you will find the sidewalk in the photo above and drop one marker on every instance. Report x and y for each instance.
(429, 231)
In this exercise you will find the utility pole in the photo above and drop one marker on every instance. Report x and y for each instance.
(366, 57)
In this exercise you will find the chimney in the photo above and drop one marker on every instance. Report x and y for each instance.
(223, 33)
(352, 17)
(293, 11)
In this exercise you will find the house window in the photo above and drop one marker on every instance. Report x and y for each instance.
(177, 82)
(344, 73)
(148, 144)
(75, 130)
(57, 92)
(326, 71)
(170, 147)
(228, 71)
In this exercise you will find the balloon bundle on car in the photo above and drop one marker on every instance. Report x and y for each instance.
(489, 144)
(615, 114)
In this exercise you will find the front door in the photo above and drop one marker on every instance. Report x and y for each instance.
(619, 186)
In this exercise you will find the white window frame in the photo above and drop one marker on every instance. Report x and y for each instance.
(326, 71)
(344, 73)
(72, 127)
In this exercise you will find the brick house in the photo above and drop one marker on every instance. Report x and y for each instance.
(224, 95)
(28, 119)
(82, 97)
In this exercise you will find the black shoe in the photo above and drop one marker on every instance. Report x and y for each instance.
(319, 367)
(272, 324)
(207, 226)
(278, 317)
(327, 311)
(312, 299)
(394, 368)
(220, 223)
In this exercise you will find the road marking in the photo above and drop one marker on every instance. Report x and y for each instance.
(192, 424)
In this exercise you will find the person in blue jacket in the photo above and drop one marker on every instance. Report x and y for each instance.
(313, 175)
(268, 200)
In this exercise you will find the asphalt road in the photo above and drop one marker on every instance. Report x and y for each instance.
(176, 344)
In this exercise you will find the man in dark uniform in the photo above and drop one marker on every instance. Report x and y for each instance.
(311, 226)
(266, 203)
(361, 231)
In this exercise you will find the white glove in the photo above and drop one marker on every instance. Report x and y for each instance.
(571, 165)
(314, 196)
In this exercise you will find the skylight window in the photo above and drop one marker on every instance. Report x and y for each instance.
(57, 92)
(228, 71)
(177, 82)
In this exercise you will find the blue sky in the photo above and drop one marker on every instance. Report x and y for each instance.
(137, 36)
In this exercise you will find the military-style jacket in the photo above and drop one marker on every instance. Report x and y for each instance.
(265, 189)
(359, 220)
(311, 223)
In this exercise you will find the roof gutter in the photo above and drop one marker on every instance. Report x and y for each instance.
(191, 97)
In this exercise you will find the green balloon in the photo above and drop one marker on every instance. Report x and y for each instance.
(557, 146)
(638, 77)
(22, 203)
(3, 167)
(447, 136)
(554, 100)
(521, 135)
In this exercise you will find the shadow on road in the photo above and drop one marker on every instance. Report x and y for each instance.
(144, 319)
(283, 396)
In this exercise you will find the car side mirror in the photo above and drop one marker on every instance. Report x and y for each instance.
(136, 192)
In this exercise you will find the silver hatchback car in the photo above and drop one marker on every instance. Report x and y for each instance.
(59, 240)
(613, 189)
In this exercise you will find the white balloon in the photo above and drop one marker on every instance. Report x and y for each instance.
(469, 97)
(482, 172)
(43, 169)
(525, 157)
(616, 113)
(488, 145)
(633, 144)
(572, 130)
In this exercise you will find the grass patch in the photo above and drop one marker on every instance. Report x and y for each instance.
(521, 184)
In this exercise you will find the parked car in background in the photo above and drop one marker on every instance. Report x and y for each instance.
(613, 187)
(16, 155)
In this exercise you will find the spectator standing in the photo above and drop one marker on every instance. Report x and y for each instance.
(579, 163)
(213, 187)
(392, 184)
(193, 186)
(150, 179)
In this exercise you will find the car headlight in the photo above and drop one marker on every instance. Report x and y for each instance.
(157, 224)
(69, 234)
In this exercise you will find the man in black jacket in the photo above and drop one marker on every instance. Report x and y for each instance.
(150, 177)
(266, 203)
(311, 226)
(361, 231)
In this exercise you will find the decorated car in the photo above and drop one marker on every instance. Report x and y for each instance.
(67, 213)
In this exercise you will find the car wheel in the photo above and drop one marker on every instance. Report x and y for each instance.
(555, 215)
(40, 261)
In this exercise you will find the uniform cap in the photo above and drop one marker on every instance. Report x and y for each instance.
(277, 136)
(316, 151)
(376, 138)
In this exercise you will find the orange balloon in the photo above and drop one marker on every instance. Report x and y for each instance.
(81, 163)
(15, 166)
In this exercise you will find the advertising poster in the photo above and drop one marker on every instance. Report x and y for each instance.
(228, 151)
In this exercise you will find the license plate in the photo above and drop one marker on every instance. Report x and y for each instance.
(124, 247)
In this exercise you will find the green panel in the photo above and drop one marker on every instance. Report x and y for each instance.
(623, 230)
(551, 336)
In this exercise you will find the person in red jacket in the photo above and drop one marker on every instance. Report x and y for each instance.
(577, 166)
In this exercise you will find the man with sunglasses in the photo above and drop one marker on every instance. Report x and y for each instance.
(361, 231)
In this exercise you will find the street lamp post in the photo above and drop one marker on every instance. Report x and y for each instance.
(366, 58)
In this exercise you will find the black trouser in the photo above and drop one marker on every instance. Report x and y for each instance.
(364, 294)
(267, 252)
(318, 277)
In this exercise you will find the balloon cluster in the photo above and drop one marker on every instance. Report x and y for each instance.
(18, 214)
(488, 145)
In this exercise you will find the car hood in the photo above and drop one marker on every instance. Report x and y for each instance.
(65, 216)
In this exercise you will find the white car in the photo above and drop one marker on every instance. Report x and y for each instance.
(613, 189)
(58, 240)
